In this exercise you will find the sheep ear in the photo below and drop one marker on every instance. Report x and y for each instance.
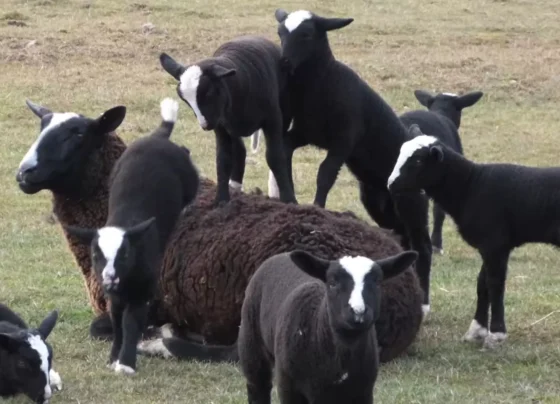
(468, 99)
(280, 15)
(171, 66)
(48, 324)
(396, 264)
(140, 228)
(436, 152)
(414, 130)
(330, 24)
(424, 98)
(11, 341)
(310, 264)
(111, 119)
(218, 72)
(84, 235)
(37, 109)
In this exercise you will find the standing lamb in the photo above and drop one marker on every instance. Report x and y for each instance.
(496, 207)
(442, 120)
(212, 253)
(236, 92)
(311, 320)
(150, 185)
(26, 358)
(334, 109)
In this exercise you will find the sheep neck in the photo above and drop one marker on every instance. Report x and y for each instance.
(451, 191)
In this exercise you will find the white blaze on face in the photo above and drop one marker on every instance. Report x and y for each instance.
(189, 82)
(36, 343)
(296, 18)
(109, 241)
(29, 161)
(357, 268)
(407, 150)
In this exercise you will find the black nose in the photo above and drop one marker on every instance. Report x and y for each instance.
(22, 172)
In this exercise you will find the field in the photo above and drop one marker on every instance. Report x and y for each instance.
(89, 55)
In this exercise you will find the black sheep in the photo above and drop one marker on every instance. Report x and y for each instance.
(236, 92)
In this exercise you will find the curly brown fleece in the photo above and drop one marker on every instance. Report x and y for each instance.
(214, 251)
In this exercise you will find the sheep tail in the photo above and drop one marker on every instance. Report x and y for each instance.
(169, 108)
(255, 137)
(183, 349)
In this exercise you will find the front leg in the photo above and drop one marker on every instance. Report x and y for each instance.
(134, 322)
(328, 172)
(117, 311)
(496, 271)
(276, 159)
(478, 330)
(238, 162)
(224, 164)
(292, 141)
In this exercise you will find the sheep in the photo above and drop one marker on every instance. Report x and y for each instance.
(334, 109)
(236, 92)
(312, 320)
(442, 120)
(26, 357)
(150, 184)
(496, 207)
(204, 273)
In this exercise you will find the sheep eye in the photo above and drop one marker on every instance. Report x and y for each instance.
(332, 286)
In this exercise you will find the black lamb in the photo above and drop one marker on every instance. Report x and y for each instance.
(26, 358)
(150, 184)
(496, 207)
(236, 92)
(334, 109)
(312, 321)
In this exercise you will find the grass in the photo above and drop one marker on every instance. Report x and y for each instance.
(86, 56)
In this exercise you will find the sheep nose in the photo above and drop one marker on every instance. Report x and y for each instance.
(359, 315)
(25, 169)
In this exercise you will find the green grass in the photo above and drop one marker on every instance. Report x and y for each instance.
(87, 56)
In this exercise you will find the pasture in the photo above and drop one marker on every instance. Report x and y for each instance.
(86, 56)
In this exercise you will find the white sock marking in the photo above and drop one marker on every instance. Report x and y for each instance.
(493, 340)
(476, 332)
(296, 18)
(154, 347)
(273, 190)
(166, 331)
(169, 108)
(188, 86)
(425, 309)
(123, 369)
(30, 158)
(407, 150)
(109, 241)
(357, 268)
(56, 380)
(235, 184)
(38, 344)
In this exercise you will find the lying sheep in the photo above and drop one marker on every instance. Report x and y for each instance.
(26, 358)
(311, 320)
(236, 92)
(442, 120)
(151, 183)
(496, 207)
(213, 252)
(336, 110)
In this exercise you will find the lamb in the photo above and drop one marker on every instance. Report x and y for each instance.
(496, 207)
(334, 109)
(236, 92)
(150, 185)
(312, 321)
(442, 120)
(26, 357)
(204, 274)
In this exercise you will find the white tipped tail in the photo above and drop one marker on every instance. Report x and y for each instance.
(169, 109)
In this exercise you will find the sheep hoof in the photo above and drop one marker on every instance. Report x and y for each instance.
(425, 309)
(493, 340)
(166, 330)
(112, 365)
(476, 332)
(154, 347)
(437, 250)
(56, 381)
(123, 369)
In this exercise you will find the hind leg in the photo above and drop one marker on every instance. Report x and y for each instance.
(101, 327)
(379, 205)
(254, 365)
(238, 163)
(437, 238)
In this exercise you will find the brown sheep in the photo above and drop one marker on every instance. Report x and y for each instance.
(214, 252)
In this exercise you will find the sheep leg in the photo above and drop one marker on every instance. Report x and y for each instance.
(437, 238)
(101, 327)
(478, 330)
(379, 205)
(413, 211)
(238, 163)
(224, 165)
(287, 393)
(117, 310)
(496, 272)
(276, 159)
(134, 322)
(327, 175)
